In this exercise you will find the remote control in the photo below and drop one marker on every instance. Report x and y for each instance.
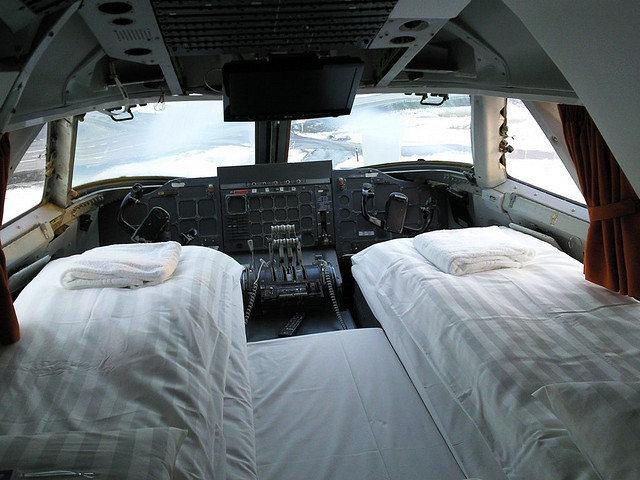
(291, 325)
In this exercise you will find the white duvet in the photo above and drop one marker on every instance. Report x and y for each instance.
(103, 359)
(496, 337)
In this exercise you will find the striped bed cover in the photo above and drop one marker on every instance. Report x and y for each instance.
(109, 359)
(490, 340)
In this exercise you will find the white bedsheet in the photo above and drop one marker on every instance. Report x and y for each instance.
(495, 337)
(118, 359)
(339, 405)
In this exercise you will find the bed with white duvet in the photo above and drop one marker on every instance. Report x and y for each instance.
(148, 382)
(532, 366)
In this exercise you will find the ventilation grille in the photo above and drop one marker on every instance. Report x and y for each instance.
(134, 35)
(268, 26)
(45, 7)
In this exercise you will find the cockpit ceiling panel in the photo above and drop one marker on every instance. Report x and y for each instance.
(45, 7)
(201, 27)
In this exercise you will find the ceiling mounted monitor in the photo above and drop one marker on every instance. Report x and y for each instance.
(289, 88)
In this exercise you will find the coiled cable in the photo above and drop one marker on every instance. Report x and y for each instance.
(324, 266)
(254, 292)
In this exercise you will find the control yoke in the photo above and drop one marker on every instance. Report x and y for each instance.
(131, 198)
(154, 227)
(395, 211)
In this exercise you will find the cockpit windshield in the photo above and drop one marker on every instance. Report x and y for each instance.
(173, 139)
(190, 139)
(387, 128)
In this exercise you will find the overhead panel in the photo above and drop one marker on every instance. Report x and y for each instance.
(402, 39)
(45, 7)
(127, 31)
(407, 35)
(201, 27)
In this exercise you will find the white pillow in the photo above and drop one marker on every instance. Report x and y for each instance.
(472, 250)
(143, 454)
(603, 420)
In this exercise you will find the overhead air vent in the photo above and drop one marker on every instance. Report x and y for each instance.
(134, 35)
(268, 26)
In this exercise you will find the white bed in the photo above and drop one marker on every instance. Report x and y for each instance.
(151, 363)
(479, 346)
(339, 405)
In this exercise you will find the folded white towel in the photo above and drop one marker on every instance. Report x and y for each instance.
(471, 250)
(122, 266)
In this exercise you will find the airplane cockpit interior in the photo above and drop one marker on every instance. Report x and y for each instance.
(333, 239)
(293, 227)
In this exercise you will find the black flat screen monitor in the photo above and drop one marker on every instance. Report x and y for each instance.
(289, 89)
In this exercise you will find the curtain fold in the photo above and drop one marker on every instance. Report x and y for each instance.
(9, 330)
(612, 252)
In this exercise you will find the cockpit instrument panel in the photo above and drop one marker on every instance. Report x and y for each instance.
(354, 232)
(192, 203)
(324, 206)
(256, 197)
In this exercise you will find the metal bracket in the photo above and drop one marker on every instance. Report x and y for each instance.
(8, 107)
(423, 100)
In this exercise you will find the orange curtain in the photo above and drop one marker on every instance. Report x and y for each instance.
(612, 252)
(9, 330)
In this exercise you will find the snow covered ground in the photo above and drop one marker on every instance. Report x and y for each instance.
(20, 199)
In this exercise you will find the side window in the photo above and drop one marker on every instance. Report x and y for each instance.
(534, 160)
(26, 184)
